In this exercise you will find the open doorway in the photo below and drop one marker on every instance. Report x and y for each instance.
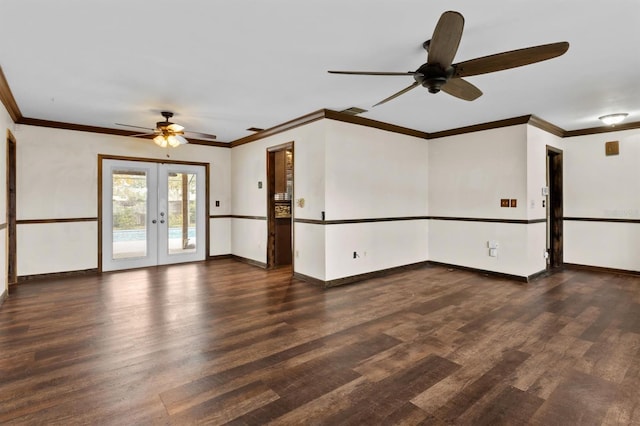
(280, 209)
(554, 209)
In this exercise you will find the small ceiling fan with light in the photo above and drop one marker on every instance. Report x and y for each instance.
(439, 73)
(168, 133)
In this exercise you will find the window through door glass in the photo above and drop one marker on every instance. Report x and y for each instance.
(182, 212)
(129, 212)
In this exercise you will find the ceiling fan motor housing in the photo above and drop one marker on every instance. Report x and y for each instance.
(433, 76)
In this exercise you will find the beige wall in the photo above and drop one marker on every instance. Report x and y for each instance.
(597, 186)
(352, 172)
(57, 178)
(468, 176)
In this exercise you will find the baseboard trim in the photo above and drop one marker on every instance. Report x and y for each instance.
(66, 274)
(360, 277)
(397, 269)
(519, 278)
(4, 296)
(249, 261)
(601, 269)
(539, 274)
(310, 280)
(219, 257)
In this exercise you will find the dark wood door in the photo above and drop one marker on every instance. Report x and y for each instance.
(12, 273)
(556, 214)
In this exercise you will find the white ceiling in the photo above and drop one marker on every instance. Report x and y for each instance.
(226, 65)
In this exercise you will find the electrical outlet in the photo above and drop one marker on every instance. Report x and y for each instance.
(217, 203)
(355, 254)
(504, 202)
(514, 202)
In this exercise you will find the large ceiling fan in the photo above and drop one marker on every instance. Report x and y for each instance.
(439, 73)
(168, 133)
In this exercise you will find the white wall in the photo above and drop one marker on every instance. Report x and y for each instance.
(470, 173)
(57, 178)
(374, 174)
(249, 166)
(468, 176)
(6, 123)
(349, 172)
(597, 186)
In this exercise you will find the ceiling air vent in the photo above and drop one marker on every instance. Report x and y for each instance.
(255, 129)
(354, 111)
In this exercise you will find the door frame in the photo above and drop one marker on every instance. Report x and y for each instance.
(271, 204)
(102, 157)
(555, 212)
(12, 252)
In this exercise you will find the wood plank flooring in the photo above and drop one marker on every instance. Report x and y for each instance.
(223, 342)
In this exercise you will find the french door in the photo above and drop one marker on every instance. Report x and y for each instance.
(152, 214)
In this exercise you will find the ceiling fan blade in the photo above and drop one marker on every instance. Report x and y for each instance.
(141, 134)
(511, 59)
(395, 95)
(445, 40)
(461, 89)
(372, 72)
(201, 135)
(129, 125)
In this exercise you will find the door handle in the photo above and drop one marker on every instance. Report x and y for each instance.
(153, 221)
(162, 221)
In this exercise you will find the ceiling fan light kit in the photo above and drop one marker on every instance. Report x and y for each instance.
(173, 141)
(613, 119)
(168, 133)
(439, 73)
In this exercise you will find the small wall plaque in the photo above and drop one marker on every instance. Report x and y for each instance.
(612, 148)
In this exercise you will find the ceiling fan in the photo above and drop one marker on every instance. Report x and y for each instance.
(168, 133)
(438, 73)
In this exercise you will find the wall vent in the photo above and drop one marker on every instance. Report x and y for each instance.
(353, 111)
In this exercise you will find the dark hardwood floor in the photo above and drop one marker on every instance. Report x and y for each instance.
(223, 342)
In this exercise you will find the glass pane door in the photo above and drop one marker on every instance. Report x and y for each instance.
(182, 203)
(128, 202)
(152, 214)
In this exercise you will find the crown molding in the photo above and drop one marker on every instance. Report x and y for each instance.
(538, 122)
(288, 125)
(602, 129)
(479, 127)
(331, 115)
(104, 130)
(368, 122)
(7, 99)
